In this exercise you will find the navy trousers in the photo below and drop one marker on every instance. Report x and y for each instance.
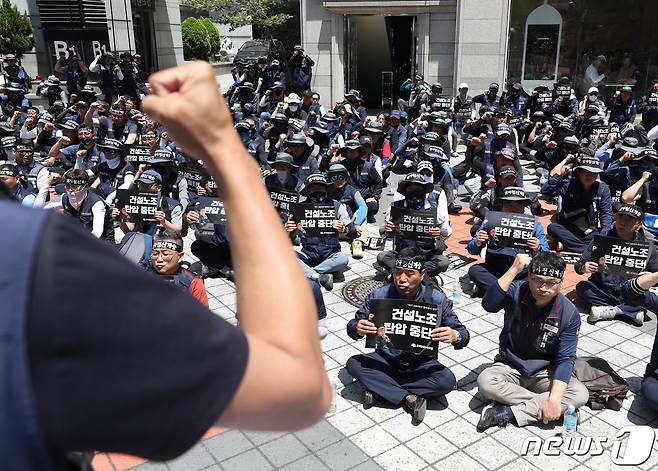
(481, 274)
(571, 242)
(428, 379)
(650, 391)
(596, 296)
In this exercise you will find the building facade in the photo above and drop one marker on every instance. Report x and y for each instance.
(148, 27)
(374, 45)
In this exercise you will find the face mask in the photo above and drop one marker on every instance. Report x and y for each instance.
(282, 175)
(77, 197)
(317, 197)
(415, 200)
(429, 178)
(591, 97)
(293, 108)
(85, 142)
(113, 163)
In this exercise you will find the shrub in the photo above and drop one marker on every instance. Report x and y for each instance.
(213, 35)
(195, 39)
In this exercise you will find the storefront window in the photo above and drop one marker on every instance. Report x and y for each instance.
(564, 38)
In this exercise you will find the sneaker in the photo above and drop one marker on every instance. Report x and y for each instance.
(454, 208)
(370, 398)
(638, 320)
(493, 414)
(323, 330)
(327, 281)
(357, 249)
(416, 406)
(339, 277)
(477, 292)
(602, 313)
(227, 272)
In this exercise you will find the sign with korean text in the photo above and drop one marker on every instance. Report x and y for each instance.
(316, 219)
(413, 225)
(624, 258)
(443, 103)
(563, 90)
(140, 206)
(404, 325)
(283, 200)
(511, 229)
(545, 97)
(213, 209)
(192, 177)
(138, 154)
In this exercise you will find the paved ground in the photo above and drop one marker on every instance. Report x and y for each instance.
(385, 438)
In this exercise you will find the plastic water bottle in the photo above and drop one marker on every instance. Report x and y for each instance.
(336, 385)
(456, 293)
(570, 422)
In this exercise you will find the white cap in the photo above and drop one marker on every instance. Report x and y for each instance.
(592, 90)
(294, 98)
(462, 85)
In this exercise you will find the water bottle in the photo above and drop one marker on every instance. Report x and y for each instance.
(336, 385)
(570, 422)
(456, 293)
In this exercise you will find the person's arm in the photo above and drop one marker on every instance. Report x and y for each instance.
(498, 295)
(98, 213)
(543, 240)
(285, 385)
(58, 65)
(198, 291)
(634, 192)
(605, 209)
(555, 185)
(362, 209)
(633, 291)
(442, 216)
(42, 188)
(94, 66)
(652, 135)
(361, 314)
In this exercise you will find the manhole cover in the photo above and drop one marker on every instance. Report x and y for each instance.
(355, 291)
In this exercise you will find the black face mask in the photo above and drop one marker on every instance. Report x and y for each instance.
(414, 200)
(86, 142)
(317, 197)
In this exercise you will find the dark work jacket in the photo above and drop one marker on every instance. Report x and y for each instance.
(612, 283)
(22, 443)
(86, 217)
(405, 360)
(364, 177)
(534, 339)
(111, 178)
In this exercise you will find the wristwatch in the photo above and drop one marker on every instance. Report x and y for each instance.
(458, 338)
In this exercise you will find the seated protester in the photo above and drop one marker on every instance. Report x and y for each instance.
(18, 188)
(284, 177)
(166, 258)
(116, 126)
(438, 122)
(644, 193)
(397, 132)
(114, 172)
(301, 149)
(603, 291)
(363, 175)
(435, 170)
(488, 198)
(635, 292)
(335, 135)
(417, 194)
(498, 259)
(343, 192)
(294, 109)
(380, 144)
(270, 101)
(633, 160)
(30, 127)
(552, 153)
(32, 172)
(585, 208)
(488, 152)
(531, 377)
(86, 206)
(319, 132)
(254, 143)
(46, 137)
(321, 257)
(174, 185)
(85, 154)
(169, 217)
(403, 378)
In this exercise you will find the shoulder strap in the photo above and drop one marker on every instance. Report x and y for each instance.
(428, 293)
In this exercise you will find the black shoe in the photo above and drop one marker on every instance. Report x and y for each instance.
(327, 281)
(493, 414)
(370, 398)
(339, 277)
(417, 407)
(454, 208)
(227, 272)
(477, 292)
(371, 220)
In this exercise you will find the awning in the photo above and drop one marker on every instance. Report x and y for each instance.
(388, 7)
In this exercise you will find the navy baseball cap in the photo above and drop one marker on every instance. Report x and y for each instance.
(150, 177)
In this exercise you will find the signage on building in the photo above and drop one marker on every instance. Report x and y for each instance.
(67, 43)
(142, 4)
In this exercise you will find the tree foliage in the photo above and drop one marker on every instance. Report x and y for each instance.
(16, 34)
(236, 13)
(214, 39)
(196, 44)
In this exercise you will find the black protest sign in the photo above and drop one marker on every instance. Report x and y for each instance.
(192, 177)
(624, 258)
(138, 154)
(140, 206)
(375, 243)
(464, 112)
(515, 120)
(443, 103)
(545, 97)
(316, 219)
(404, 325)
(413, 225)
(563, 90)
(570, 258)
(213, 209)
(283, 200)
(511, 229)
(653, 99)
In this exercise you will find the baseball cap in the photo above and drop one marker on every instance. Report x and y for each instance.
(9, 169)
(592, 90)
(513, 193)
(462, 85)
(506, 171)
(631, 210)
(150, 177)
(590, 163)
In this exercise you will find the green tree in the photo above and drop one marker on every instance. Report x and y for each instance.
(15, 30)
(213, 35)
(195, 39)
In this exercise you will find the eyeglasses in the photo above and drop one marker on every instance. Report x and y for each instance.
(316, 98)
(337, 178)
(165, 254)
(538, 282)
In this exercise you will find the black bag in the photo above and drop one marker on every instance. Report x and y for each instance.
(606, 388)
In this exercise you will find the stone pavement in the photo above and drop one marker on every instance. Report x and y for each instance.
(384, 437)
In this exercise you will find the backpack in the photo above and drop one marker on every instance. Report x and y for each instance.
(137, 247)
(606, 388)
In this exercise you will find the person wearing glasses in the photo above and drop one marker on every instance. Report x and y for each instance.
(531, 378)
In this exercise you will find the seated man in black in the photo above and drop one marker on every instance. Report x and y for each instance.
(403, 378)
(603, 290)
